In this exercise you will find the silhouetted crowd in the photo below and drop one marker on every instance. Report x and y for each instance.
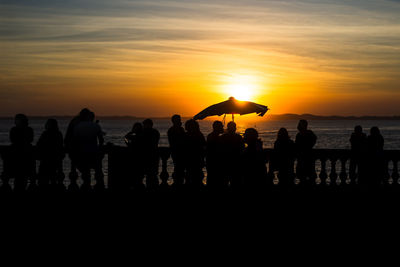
(232, 161)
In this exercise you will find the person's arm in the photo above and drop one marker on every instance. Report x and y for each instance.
(61, 145)
(100, 136)
(242, 145)
(12, 135)
(314, 139)
(158, 136)
(170, 139)
(127, 138)
(101, 139)
(31, 135)
(128, 135)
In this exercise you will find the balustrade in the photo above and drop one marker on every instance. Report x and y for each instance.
(119, 161)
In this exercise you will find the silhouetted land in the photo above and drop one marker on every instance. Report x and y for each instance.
(268, 117)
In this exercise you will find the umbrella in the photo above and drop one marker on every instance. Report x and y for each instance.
(232, 106)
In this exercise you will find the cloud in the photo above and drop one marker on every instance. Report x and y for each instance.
(342, 44)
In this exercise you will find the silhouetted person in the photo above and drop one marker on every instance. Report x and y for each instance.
(176, 139)
(151, 137)
(134, 141)
(358, 141)
(51, 154)
(232, 147)
(22, 155)
(70, 148)
(305, 141)
(213, 157)
(253, 162)
(283, 160)
(87, 142)
(195, 144)
(376, 162)
(134, 137)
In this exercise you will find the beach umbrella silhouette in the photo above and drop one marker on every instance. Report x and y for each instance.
(232, 106)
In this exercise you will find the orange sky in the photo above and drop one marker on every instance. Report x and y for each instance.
(162, 57)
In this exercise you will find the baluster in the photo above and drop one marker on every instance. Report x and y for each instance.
(386, 174)
(5, 175)
(343, 173)
(333, 175)
(395, 173)
(323, 175)
(313, 178)
(164, 155)
(73, 177)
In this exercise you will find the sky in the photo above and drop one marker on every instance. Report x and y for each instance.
(158, 58)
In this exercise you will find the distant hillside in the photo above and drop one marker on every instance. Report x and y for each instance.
(267, 117)
(317, 117)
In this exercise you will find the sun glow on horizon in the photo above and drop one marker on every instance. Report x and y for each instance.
(241, 87)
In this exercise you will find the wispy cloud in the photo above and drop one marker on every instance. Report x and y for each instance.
(342, 45)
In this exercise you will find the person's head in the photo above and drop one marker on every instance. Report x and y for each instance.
(375, 131)
(51, 125)
(302, 126)
(176, 120)
(218, 127)
(137, 127)
(84, 114)
(231, 127)
(250, 136)
(358, 129)
(21, 120)
(192, 126)
(283, 134)
(147, 124)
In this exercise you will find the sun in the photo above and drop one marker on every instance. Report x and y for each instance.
(241, 87)
(241, 92)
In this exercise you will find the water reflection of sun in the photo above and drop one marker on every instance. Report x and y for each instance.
(242, 87)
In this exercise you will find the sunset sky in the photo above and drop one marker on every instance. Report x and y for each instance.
(157, 58)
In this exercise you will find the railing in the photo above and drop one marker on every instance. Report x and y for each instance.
(332, 167)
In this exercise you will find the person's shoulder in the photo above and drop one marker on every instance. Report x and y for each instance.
(98, 126)
(74, 121)
(213, 135)
(201, 135)
(237, 137)
(311, 133)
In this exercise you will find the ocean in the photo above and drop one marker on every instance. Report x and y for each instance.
(330, 133)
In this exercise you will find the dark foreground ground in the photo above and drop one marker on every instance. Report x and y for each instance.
(204, 226)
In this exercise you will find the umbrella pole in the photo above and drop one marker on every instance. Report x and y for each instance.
(233, 117)
(224, 119)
